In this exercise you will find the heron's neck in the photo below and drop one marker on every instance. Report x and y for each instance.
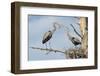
(53, 30)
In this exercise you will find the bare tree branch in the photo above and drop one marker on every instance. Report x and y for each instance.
(70, 53)
(76, 31)
(46, 49)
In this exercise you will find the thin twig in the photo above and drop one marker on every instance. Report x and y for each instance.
(76, 31)
(46, 49)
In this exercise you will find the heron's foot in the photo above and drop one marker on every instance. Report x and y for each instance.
(76, 47)
(48, 52)
(46, 48)
(50, 48)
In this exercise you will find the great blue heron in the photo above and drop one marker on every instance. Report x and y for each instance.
(48, 35)
(73, 38)
(75, 41)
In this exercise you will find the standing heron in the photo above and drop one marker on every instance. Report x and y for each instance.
(75, 40)
(48, 35)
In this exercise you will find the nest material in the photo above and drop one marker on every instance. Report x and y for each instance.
(76, 53)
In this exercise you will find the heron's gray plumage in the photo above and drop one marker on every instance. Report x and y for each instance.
(75, 41)
(47, 36)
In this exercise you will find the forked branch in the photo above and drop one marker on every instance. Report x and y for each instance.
(76, 31)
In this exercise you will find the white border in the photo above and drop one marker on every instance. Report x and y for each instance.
(25, 64)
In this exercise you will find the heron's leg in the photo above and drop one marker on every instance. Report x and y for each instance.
(46, 45)
(46, 48)
(50, 45)
(77, 47)
(50, 48)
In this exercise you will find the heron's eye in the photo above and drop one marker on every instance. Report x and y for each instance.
(73, 38)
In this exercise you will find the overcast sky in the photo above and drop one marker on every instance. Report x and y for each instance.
(38, 25)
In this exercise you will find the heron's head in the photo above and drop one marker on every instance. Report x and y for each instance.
(56, 25)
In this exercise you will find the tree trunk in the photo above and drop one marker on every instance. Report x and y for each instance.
(84, 34)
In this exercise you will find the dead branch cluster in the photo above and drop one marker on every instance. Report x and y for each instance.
(75, 53)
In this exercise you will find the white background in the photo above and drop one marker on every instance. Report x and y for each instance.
(5, 41)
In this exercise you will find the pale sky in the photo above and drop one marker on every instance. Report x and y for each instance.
(38, 25)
